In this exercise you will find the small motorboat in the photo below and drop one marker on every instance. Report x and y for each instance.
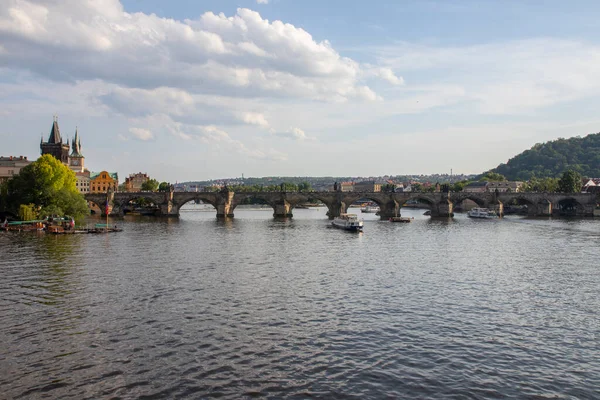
(484, 213)
(401, 219)
(370, 209)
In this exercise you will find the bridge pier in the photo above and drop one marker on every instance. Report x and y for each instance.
(443, 209)
(225, 206)
(544, 208)
(389, 209)
(498, 207)
(167, 207)
(114, 208)
(282, 209)
(336, 208)
(169, 210)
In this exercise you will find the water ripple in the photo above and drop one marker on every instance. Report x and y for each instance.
(201, 308)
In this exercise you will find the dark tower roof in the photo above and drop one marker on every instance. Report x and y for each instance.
(76, 145)
(55, 133)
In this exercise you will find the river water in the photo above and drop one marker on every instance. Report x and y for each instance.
(257, 307)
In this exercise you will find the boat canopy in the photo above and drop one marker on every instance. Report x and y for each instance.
(35, 221)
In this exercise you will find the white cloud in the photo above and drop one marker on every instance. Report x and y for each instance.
(506, 78)
(388, 75)
(213, 136)
(384, 73)
(243, 54)
(141, 134)
(292, 133)
(253, 118)
(262, 1)
(133, 101)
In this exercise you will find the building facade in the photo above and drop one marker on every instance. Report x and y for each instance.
(347, 187)
(367, 186)
(101, 182)
(11, 166)
(506, 186)
(476, 187)
(134, 182)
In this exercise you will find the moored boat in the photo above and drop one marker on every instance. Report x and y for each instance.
(370, 209)
(400, 219)
(483, 213)
(104, 228)
(22, 226)
(349, 222)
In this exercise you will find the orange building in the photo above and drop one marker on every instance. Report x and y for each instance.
(101, 182)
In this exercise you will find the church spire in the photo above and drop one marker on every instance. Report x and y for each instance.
(76, 145)
(55, 132)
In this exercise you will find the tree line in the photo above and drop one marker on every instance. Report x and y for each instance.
(551, 159)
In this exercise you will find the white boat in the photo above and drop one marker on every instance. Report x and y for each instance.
(482, 213)
(349, 222)
(370, 209)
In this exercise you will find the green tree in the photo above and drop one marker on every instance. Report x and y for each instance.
(459, 186)
(49, 186)
(304, 187)
(540, 185)
(150, 185)
(164, 187)
(288, 187)
(550, 159)
(417, 187)
(492, 177)
(27, 212)
(570, 182)
(3, 196)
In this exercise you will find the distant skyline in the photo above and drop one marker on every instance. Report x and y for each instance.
(191, 91)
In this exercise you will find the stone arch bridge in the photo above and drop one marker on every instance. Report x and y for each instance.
(441, 204)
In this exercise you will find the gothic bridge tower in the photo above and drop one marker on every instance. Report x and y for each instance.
(55, 146)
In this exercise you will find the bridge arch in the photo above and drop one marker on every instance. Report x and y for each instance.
(568, 206)
(138, 202)
(421, 199)
(513, 203)
(388, 204)
(263, 198)
(95, 206)
(213, 198)
(336, 202)
(458, 198)
(183, 200)
(242, 198)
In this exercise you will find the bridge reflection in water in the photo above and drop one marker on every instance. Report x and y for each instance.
(441, 204)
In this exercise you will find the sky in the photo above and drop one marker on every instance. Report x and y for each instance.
(193, 90)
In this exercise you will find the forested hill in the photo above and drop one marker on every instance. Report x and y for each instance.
(551, 159)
